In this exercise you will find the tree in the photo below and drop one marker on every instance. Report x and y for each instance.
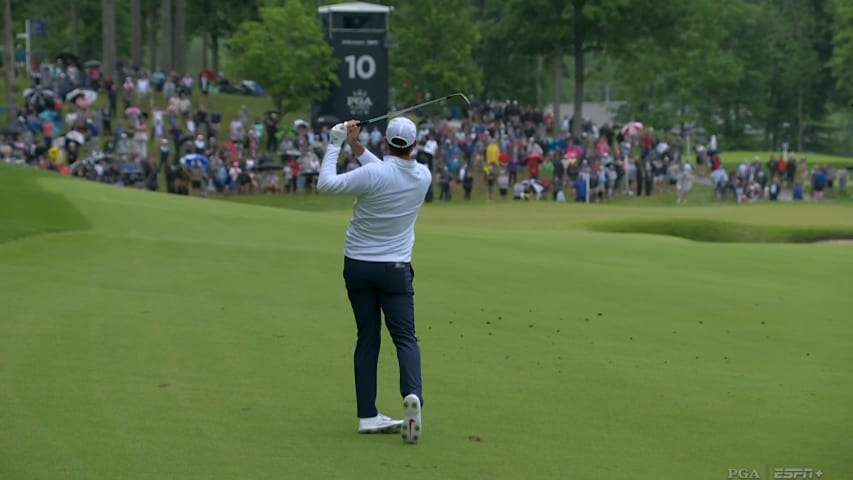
(286, 53)
(136, 31)
(108, 38)
(74, 22)
(9, 63)
(842, 57)
(802, 79)
(221, 20)
(152, 26)
(506, 72)
(166, 58)
(547, 26)
(432, 54)
(179, 37)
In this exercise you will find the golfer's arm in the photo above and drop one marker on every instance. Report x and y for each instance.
(355, 182)
(367, 157)
(363, 155)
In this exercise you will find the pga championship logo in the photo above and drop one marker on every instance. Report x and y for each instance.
(359, 103)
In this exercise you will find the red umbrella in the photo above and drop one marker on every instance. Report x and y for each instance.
(574, 151)
(632, 128)
(503, 157)
(536, 156)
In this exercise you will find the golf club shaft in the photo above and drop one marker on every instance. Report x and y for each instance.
(414, 107)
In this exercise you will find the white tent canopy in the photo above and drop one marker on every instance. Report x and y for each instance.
(355, 7)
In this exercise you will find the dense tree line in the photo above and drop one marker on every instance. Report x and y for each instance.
(756, 72)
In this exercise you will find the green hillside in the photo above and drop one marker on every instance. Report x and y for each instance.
(150, 336)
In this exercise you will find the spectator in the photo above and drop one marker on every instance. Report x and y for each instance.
(503, 182)
(774, 189)
(819, 180)
(797, 193)
(841, 180)
(467, 181)
(444, 181)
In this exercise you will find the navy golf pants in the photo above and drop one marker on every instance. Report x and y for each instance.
(374, 288)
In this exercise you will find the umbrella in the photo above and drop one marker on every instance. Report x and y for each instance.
(132, 111)
(92, 64)
(45, 92)
(194, 158)
(632, 128)
(269, 166)
(574, 151)
(536, 156)
(557, 144)
(89, 95)
(47, 115)
(130, 168)
(68, 58)
(300, 123)
(503, 157)
(75, 136)
(327, 120)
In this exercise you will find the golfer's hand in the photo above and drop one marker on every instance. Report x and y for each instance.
(352, 131)
(338, 134)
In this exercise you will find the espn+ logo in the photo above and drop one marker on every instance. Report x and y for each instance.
(778, 473)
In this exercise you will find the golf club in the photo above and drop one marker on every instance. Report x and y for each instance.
(414, 107)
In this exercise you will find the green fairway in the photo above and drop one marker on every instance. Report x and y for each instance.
(813, 159)
(151, 336)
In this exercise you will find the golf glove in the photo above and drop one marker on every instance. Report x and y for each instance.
(338, 134)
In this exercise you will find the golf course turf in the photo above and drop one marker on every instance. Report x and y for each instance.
(150, 336)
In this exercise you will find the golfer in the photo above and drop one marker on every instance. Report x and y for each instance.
(377, 263)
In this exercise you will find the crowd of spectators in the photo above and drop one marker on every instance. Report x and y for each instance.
(505, 148)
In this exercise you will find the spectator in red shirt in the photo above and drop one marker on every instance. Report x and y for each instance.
(47, 131)
(533, 166)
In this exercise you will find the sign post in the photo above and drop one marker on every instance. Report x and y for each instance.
(31, 27)
(26, 37)
(357, 33)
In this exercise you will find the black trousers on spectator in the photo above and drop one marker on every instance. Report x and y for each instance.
(374, 288)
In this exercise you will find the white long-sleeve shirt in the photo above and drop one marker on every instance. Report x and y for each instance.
(389, 195)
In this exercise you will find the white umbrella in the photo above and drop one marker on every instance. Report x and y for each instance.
(632, 128)
(300, 123)
(89, 95)
(76, 136)
(46, 92)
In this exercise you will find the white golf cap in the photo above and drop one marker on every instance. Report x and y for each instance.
(401, 132)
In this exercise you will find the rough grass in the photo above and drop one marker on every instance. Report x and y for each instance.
(27, 209)
(704, 230)
(738, 156)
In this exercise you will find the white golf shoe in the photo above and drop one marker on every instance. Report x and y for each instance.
(412, 428)
(379, 424)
